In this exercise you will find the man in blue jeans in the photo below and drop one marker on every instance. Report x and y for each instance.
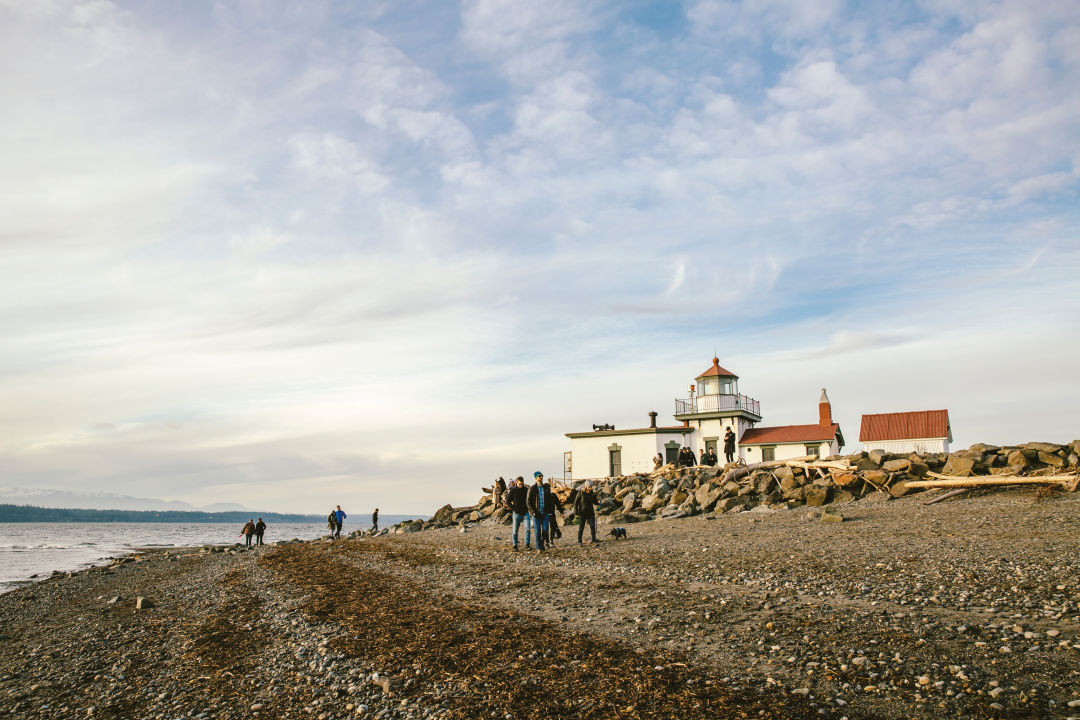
(517, 501)
(539, 502)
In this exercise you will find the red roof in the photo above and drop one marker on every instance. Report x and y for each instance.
(905, 426)
(789, 434)
(717, 371)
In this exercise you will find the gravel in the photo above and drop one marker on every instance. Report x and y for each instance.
(967, 608)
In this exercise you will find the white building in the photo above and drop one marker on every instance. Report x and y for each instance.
(791, 441)
(714, 404)
(921, 431)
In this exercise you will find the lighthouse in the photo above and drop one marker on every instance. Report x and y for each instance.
(714, 405)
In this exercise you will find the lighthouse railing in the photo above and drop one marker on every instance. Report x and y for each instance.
(716, 403)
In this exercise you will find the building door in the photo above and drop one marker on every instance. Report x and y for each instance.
(615, 463)
(671, 453)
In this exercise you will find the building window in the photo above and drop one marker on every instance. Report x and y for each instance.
(768, 453)
(814, 450)
(710, 445)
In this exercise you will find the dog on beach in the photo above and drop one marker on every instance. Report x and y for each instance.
(618, 533)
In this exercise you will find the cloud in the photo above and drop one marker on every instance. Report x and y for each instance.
(337, 252)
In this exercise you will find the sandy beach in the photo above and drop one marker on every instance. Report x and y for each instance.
(967, 608)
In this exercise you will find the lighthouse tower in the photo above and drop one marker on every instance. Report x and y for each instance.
(715, 405)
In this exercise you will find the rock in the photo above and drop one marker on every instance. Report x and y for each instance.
(899, 489)
(678, 498)
(731, 487)
(388, 684)
(728, 504)
(843, 497)
(660, 487)
(878, 477)
(783, 472)
(442, 515)
(628, 501)
(831, 515)
(651, 502)
(918, 469)
(865, 464)
(896, 465)
(707, 502)
(763, 482)
(113, 600)
(817, 496)
(1042, 447)
(142, 603)
(1051, 459)
(877, 457)
(958, 466)
(844, 479)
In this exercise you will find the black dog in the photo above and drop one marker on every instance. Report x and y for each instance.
(618, 533)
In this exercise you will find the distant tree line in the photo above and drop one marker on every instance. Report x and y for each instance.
(31, 513)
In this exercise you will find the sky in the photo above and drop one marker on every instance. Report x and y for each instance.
(291, 255)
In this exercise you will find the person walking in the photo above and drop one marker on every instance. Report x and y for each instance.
(517, 501)
(585, 510)
(247, 532)
(497, 491)
(538, 503)
(729, 445)
(260, 528)
(554, 506)
(331, 522)
(339, 520)
(375, 521)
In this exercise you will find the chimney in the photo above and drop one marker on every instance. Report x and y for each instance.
(824, 410)
(652, 420)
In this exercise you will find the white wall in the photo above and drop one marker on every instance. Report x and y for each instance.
(787, 451)
(922, 445)
(591, 459)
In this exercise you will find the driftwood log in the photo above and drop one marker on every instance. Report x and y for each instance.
(946, 496)
(942, 481)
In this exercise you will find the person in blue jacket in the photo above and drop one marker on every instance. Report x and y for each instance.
(339, 517)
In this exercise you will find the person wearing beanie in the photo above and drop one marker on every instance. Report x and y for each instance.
(585, 510)
(539, 501)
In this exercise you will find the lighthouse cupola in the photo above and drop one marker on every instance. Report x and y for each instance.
(717, 381)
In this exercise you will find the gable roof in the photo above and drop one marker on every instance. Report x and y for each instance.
(906, 426)
(790, 434)
(716, 371)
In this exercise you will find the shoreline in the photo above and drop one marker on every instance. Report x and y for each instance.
(902, 610)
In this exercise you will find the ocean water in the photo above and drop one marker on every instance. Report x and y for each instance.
(29, 549)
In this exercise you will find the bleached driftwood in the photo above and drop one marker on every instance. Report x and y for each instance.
(942, 481)
(946, 496)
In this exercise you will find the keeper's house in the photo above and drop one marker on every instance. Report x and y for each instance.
(714, 405)
(921, 431)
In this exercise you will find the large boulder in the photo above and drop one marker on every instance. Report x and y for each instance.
(1051, 459)
(896, 465)
(958, 466)
(628, 501)
(817, 496)
(442, 515)
(1042, 447)
(660, 487)
(651, 502)
(878, 457)
(729, 504)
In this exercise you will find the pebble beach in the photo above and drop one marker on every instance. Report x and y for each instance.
(968, 608)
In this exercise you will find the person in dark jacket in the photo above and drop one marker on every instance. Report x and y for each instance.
(375, 521)
(247, 532)
(539, 501)
(260, 528)
(585, 510)
(331, 522)
(555, 506)
(729, 445)
(498, 491)
(517, 501)
(710, 458)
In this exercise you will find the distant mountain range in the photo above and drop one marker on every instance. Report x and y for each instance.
(49, 498)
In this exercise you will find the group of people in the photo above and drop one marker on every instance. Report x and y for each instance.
(336, 519)
(685, 457)
(538, 508)
(253, 529)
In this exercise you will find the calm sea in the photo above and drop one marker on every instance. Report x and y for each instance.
(29, 549)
